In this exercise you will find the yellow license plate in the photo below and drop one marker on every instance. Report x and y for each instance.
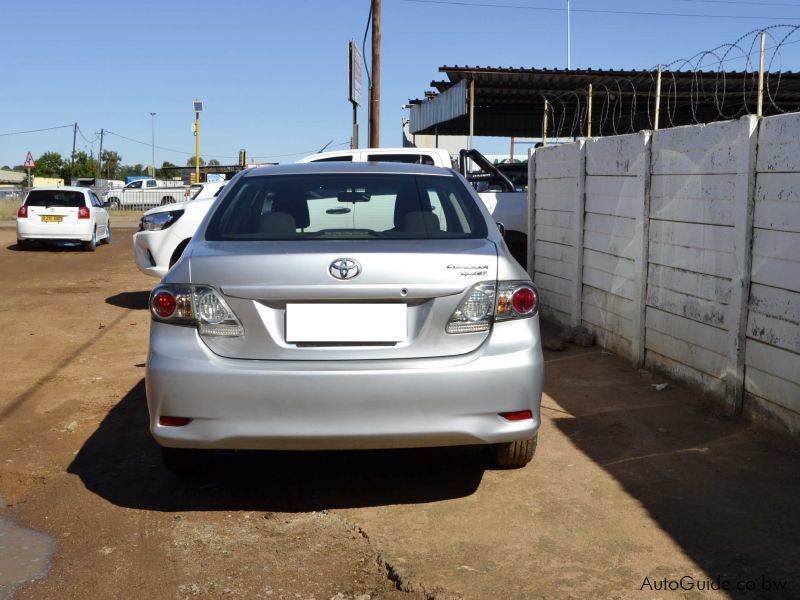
(52, 218)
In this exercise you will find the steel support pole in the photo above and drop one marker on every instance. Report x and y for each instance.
(544, 123)
(760, 109)
(589, 113)
(658, 98)
(471, 111)
(153, 143)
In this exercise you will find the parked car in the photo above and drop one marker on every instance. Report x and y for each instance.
(508, 206)
(331, 306)
(145, 192)
(62, 214)
(165, 231)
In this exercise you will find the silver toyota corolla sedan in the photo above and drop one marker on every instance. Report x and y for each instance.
(345, 306)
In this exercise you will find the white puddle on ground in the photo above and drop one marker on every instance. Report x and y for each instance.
(24, 555)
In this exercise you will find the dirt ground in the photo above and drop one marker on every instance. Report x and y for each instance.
(630, 486)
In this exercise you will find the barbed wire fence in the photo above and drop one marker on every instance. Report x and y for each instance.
(687, 91)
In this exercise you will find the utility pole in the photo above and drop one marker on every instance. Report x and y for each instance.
(72, 156)
(100, 156)
(375, 88)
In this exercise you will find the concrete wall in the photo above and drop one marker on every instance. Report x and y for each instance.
(772, 372)
(652, 240)
(557, 199)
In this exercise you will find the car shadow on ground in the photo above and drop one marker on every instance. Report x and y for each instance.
(48, 247)
(121, 463)
(130, 300)
(724, 490)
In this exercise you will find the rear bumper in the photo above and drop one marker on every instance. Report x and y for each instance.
(310, 405)
(30, 229)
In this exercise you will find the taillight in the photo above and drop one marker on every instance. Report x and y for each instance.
(197, 305)
(83, 212)
(164, 304)
(489, 302)
(22, 212)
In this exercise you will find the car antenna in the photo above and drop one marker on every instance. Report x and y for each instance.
(325, 146)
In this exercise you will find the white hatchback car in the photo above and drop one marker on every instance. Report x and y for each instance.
(63, 214)
(165, 231)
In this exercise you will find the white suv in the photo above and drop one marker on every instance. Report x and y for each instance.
(166, 230)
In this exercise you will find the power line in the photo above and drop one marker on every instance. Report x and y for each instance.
(601, 11)
(749, 3)
(36, 130)
(304, 153)
(148, 144)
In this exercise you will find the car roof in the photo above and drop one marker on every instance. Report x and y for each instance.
(62, 188)
(348, 167)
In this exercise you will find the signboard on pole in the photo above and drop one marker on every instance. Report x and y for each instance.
(29, 163)
(355, 69)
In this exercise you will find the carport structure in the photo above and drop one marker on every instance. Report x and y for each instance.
(540, 103)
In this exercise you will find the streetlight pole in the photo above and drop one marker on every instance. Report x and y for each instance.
(198, 108)
(153, 143)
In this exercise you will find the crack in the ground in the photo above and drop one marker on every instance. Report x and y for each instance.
(394, 574)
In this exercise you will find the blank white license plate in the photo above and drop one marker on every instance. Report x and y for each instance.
(346, 322)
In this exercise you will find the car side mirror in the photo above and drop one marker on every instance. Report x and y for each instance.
(106, 204)
(502, 228)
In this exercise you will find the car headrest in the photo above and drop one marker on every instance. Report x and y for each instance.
(293, 202)
(408, 200)
(277, 223)
(421, 221)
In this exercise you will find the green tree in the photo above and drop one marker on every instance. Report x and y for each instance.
(82, 165)
(110, 164)
(191, 162)
(168, 170)
(49, 164)
(137, 169)
(213, 163)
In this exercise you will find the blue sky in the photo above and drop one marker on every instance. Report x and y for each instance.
(273, 73)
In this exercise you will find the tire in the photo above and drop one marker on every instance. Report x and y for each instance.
(107, 239)
(187, 462)
(514, 454)
(115, 203)
(167, 200)
(23, 244)
(91, 245)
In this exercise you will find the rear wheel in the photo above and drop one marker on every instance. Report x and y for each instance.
(187, 462)
(514, 454)
(167, 200)
(114, 203)
(92, 244)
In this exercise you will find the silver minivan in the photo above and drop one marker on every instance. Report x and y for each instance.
(345, 306)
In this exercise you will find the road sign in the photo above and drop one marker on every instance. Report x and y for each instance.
(29, 163)
(356, 67)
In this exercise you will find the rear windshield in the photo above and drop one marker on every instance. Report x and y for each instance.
(55, 198)
(346, 206)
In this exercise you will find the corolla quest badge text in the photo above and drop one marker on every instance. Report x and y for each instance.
(344, 268)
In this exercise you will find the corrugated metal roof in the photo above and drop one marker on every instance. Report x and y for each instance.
(510, 101)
